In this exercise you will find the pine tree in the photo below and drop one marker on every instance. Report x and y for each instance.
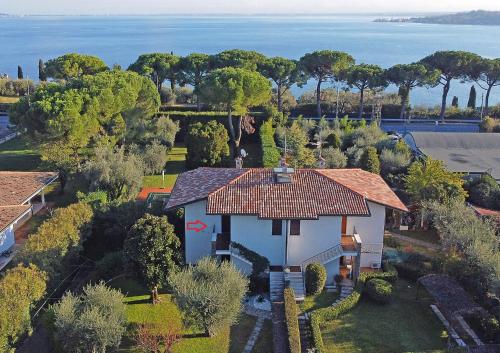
(472, 98)
(20, 74)
(42, 75)
(454, 102)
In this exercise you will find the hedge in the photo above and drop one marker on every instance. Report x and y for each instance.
(270, 153)
(185, 118)
(292, 321)
(379, 290)
(319, 316)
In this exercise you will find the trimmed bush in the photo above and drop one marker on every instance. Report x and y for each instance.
(410, 271)
(315, 278)
(317, 339)
(270, 153)
(379, 290)
(292, 321)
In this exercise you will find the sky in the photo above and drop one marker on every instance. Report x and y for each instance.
(111, 7)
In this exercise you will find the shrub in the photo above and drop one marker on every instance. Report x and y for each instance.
(207, 144)
(109, 266)
(379, 290)
(20, 288)
(210, 295)
(91, 322)
(334, 158)
(270, 153)
(291, 321)
(410, 271)
(370, 161)
(486, 324)
(392, 242)
(57, 239)
(315, 278)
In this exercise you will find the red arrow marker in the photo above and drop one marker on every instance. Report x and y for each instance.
(197, 226)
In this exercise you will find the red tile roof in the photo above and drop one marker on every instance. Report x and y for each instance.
(307, 197)
(199, 183)
(312, 192)
(17, 187)
(370, 185)
(9, 214)
(485, 212)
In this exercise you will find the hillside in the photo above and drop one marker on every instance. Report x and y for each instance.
(481, 18)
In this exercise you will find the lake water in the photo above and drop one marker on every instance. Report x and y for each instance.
(121, 39)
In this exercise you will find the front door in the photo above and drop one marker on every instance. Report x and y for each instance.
(344, 225)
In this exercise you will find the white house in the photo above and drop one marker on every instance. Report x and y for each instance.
(292, 217)
(21, 196)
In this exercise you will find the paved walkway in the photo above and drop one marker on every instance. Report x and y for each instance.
(279, 328)
(254, 335)
(424, 244)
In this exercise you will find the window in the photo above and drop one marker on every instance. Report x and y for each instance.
(295, 227)
(277, 227)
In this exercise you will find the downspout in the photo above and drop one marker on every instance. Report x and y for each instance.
(286, 242)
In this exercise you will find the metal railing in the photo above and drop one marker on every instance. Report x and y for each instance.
(325, 256)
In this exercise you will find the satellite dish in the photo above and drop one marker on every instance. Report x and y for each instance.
(243, 153)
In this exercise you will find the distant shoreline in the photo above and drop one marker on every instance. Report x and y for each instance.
(474, 18)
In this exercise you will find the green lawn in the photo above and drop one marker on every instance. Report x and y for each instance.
(176, 164)
(404, 325)
(140, 310)
(429, 236)
(19, 154)
(264, 343)
(321, 300)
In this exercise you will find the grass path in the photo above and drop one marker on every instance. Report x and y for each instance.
(176, 164)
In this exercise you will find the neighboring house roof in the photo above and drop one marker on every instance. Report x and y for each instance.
(461, 152)
(313, 192)
(485, 212)
(370, 185)
(18, 187)
(9, 214)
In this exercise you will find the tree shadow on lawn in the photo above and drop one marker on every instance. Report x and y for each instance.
(404, 325)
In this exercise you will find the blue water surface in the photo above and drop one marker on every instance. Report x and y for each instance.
(120, 39)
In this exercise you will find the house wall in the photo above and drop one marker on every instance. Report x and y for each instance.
(256, 235)
(199, 244)
(371, 231)
(7, 239)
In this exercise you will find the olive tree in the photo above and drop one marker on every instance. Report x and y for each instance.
(93, 322)
(210, 294)
(235, 90)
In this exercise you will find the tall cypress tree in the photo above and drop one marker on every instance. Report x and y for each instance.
(20, 74)
(42, 75)
(454, 102)
(472, 98)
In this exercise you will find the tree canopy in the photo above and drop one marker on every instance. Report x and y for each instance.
(194, 68)
(153, 249)
(158, 67)
(453, 65)
(325, 65)
(409, 76)
(363, 77)
(429, 180)
(210, 294)
(237, 58)
(73, 65)
(206, 144)
(488, 78)
(284, 73)
(235, 90)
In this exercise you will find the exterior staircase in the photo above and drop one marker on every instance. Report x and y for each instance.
(276, 286)
(325, 256)
(347, 287)
(295, 280)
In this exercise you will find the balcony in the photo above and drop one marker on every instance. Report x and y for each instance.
(349, 244)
